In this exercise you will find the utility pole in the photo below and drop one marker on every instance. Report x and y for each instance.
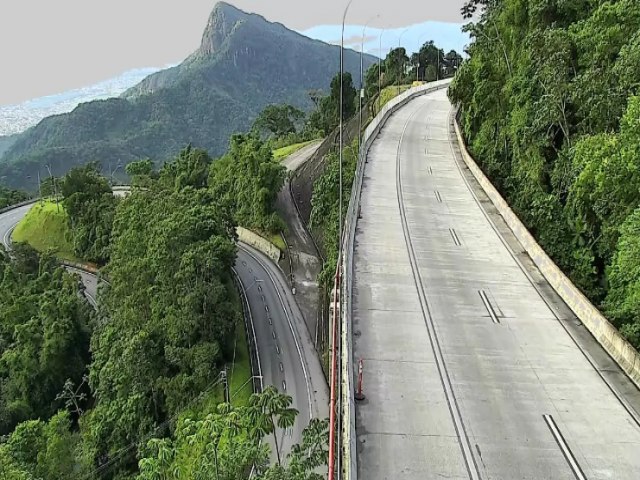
(40, 188)
(55, 187)
(225, 381)
(361, 93)
(332, 413)
(380, 72)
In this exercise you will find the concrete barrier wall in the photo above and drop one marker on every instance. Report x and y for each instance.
(348, 462)
(18, 205)
(259, 243)
(603, 331)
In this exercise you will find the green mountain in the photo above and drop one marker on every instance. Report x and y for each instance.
(6, 142)
(244, 63)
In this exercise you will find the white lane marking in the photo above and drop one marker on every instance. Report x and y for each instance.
(488, 306)
(7, 235)
(295, 339)
(281, 367)
(270, 321)
(262, 296)
(91, 299)
(273, 334)
(255, 341)
(259, 289)
(277, 349)
(566, 451)
(266, 308)
(469, 459)
(454, 235)
(284, 386)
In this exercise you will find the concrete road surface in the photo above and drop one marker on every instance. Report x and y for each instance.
(287, 357)
(293, 161)
(468, 372)
(302, 261)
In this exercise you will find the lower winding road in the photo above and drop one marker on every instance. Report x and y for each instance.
(286, 352)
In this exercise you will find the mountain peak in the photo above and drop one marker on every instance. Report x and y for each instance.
(223, 20)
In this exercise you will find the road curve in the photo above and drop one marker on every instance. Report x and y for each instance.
(9, 220)
(286, 352)
(288, 361)
(468, 371)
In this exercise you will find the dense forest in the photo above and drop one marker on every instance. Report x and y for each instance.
(131, 391)
(549, 108)
(11, 197)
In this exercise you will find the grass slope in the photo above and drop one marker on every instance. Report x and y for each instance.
(45, 228)
(388, 94)
(284, 152)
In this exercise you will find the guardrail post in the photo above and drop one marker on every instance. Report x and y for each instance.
(359, 395)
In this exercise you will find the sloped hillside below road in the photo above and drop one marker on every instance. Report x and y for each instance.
(243, 64)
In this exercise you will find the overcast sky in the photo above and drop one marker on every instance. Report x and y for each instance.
(50, 46)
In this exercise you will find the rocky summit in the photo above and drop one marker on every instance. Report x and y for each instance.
(243, 64)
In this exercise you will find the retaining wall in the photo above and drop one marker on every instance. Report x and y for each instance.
(259, 243)
(604, 332)
(349, 464)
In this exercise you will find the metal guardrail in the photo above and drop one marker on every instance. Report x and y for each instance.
(348, 425)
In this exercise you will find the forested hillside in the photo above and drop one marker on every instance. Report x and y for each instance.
(133, 391)
(549, 108)
(243, 64)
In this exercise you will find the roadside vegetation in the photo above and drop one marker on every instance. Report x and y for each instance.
(325, 200)
(549, 108)
(46, 228)
(284, 152)
(10, 197)
(134, 390)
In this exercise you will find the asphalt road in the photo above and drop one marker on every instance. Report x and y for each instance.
(8, 222)
(293, 161)
(287, 356)
(302, 262)
(468, 371)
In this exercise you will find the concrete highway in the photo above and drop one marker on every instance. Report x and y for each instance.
(469, 373)
(286, 352)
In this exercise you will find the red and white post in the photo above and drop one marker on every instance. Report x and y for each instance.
(359, 395)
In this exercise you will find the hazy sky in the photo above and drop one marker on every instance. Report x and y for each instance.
(50, 46)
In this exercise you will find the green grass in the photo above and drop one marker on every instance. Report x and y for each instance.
(46, 228)
(277, 240)
(388, 94)
(239, 385)
(284, 152)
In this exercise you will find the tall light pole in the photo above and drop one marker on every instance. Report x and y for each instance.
(332, 400)
(380, 71)
(344, 18)
(55, 188)
(361, 92)
(399, 43)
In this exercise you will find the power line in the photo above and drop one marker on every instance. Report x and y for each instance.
(123, 451)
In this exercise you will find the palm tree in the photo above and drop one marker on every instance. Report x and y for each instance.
(268, 410)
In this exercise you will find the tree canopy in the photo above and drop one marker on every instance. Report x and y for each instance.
(549, 108)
